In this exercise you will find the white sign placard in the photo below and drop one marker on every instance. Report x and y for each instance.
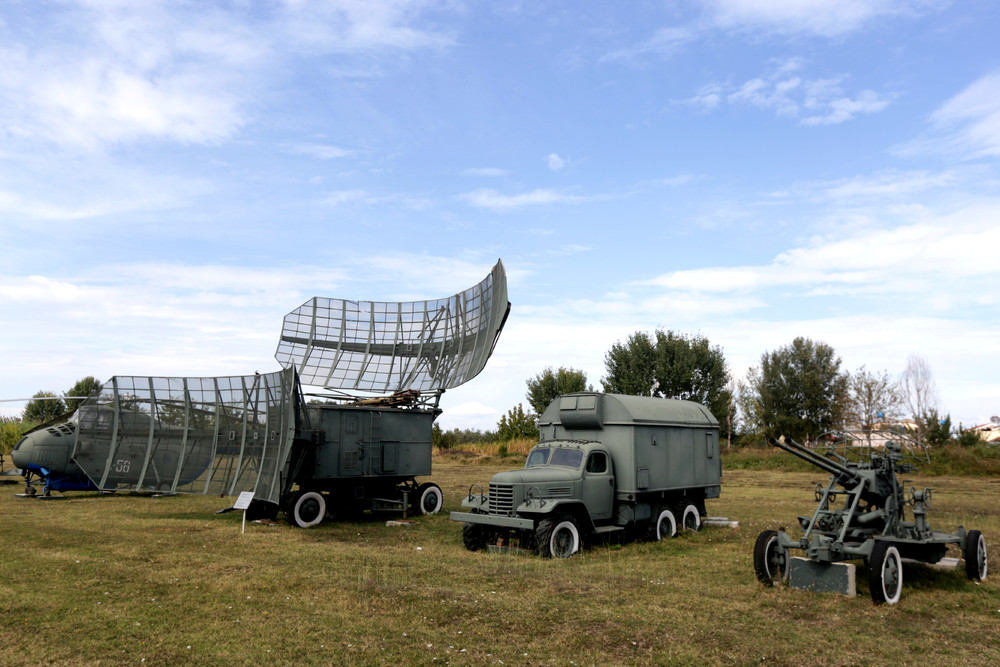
(243, 501)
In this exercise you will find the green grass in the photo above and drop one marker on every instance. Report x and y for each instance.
(128, 579)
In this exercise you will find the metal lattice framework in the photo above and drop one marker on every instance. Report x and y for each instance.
(216, 435)
(395, 346)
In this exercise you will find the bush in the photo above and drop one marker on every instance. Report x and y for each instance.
(11, 430)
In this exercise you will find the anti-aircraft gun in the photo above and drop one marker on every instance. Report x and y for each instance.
(870, 524)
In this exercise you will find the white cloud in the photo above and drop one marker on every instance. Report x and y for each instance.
(664, 42)
(968, 124)
(320, 151)
(110, 73)
(943, 261)
(488, 198)
(784, 91)
(555, 162)
(826, 18)
(485, 171)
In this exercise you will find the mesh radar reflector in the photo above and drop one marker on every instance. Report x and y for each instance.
(382, 347)
(255, 433)
(215, 435)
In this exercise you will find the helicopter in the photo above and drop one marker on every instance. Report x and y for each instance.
(335, 455)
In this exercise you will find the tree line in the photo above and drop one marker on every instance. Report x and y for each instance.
(798, 390)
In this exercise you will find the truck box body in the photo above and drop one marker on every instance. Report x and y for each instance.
(603, 463)
(655, 444)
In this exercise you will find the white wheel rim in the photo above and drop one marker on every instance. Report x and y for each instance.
(981, 551)
(438, 499)
(769, 549)
(893, 563)
(554, 539)
(669, 516)
(691, 511)
(321, 502)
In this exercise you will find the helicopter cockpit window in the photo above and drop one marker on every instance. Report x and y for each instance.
(537, 457)
(570, 458)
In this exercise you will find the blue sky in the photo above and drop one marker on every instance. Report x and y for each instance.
(176, 176)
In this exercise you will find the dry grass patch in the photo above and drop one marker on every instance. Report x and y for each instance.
(121, 579)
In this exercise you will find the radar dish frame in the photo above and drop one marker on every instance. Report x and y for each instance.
(390, 347)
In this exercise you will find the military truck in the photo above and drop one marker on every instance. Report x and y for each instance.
(605, 463)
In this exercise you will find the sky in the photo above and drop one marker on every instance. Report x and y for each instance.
(175, 177)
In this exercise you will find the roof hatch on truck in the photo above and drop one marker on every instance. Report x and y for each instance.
(581, 411)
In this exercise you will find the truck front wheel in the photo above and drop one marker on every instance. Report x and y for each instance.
(557, 537)
(474, 536)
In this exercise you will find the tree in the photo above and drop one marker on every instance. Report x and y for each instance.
(517, 424)
(938, 429)
(88, 386)
(631, 367)
(919, 391)
(797, 391)
(548, 385)
(671, 365)
(872, 397)
(46, 406)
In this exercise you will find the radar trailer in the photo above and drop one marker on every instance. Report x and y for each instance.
(359, 445)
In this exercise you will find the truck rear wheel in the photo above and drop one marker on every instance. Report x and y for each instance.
(690, 517)
(557, 537)
(662, 525)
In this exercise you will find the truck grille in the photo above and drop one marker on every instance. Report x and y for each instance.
(501, 498)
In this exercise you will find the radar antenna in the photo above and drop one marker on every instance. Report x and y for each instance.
(386, 347)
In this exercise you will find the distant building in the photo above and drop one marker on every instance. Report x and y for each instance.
(989, 432)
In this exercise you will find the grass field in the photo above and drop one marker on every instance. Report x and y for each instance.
(129, 579)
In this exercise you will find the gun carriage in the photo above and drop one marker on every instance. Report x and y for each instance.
(869, 525)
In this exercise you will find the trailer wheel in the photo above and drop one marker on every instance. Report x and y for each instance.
(474, 536)
(662, 525)
(885, 573)
(975, 555)
(690, 517)
(308, 509)
(557, 537)
(430, 498)
(770, 561)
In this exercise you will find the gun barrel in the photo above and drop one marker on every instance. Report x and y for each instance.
(812, 457)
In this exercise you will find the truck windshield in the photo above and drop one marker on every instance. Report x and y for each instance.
(537, 457)
(566, 457)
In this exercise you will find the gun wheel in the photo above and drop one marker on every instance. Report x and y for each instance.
(885, 573)
(975, 555)
(557, 537)
(770, 561)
